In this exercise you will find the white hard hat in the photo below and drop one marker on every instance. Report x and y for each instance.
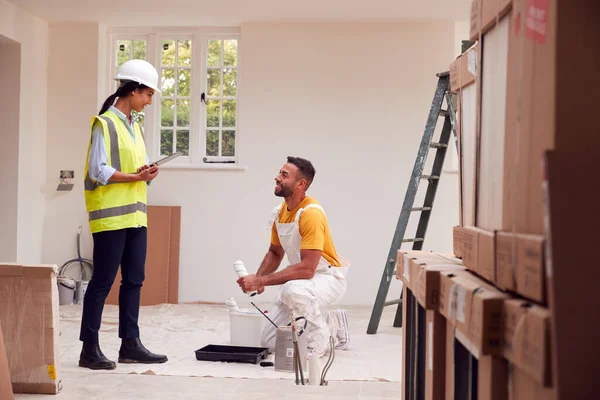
(139, 71)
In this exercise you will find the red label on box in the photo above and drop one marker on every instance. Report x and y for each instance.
(536, 22)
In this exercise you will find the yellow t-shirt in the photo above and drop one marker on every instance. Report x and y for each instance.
(313, 230)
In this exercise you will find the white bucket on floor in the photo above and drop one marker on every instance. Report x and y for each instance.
(245, 327)
(66, 290)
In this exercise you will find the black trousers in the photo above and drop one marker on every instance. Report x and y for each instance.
(127, 248)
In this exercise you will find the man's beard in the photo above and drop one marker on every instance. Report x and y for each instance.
(284, 191)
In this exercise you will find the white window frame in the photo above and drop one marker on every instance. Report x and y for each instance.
(204, 73)
(197, 139)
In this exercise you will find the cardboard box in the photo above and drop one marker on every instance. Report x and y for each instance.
(6, 392)
(527, 339)
(485, 14)
(403, 263)
(475, 308)
(29, 318)
(425, 274)
(477, 249)
(520, 265)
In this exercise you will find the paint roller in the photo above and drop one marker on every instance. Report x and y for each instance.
(241, 271)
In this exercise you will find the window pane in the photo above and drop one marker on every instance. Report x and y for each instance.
(214, 82)
(228, 145)
(183, 113)
(229, 113)
(123, 51)
(212, 113)
(168, 53)
(166, 142)
(212, 143)
(183, 83)
(139, 117)
(229, 82)
(168, 82)
(230, 53)
(184, 52)
(139, 49)
(166, 113)
(214, 53)
(183, 142)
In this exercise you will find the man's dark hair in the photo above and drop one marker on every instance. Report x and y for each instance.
(305, 168)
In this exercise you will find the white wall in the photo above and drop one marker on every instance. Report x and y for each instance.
(31, 32)
(72, 101)
(10, 82)
(351, 97)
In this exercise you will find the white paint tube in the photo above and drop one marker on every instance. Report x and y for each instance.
(231, 304)
(241, 271)
(314, 370)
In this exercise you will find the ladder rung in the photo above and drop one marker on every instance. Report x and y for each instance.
(430, 177)
(420, 209)
(413, 240)
(435, 145)
(443, 113)
(391, 302)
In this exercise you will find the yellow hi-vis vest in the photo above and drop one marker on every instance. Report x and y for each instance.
(117, 205)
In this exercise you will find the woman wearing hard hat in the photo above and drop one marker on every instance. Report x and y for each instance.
(116, 177)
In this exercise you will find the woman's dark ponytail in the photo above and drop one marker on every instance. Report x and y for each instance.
(122, 91)
(108, 102)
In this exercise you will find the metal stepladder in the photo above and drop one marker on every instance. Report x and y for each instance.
(442, 93)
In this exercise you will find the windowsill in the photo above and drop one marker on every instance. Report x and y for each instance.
(210, 167)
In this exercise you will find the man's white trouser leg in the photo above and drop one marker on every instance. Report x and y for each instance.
(307, 298)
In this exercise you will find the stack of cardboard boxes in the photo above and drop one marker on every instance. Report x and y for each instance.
(487, 331)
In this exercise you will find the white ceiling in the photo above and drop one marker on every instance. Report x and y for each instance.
(235, 12)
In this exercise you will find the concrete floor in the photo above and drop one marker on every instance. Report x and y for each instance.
(370, 369)
(89, 386)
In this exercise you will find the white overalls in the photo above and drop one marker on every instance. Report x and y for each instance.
(308, 298)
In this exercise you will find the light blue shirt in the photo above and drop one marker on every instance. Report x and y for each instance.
(98, 159)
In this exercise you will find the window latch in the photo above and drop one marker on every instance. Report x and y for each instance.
(203, 98)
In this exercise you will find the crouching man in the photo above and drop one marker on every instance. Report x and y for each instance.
(315, 279)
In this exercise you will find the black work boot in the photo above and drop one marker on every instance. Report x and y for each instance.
(133, 351)
(92, 357)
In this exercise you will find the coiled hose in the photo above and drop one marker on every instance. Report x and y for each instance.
(86, 266)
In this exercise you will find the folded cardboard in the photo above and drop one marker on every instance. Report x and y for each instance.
(477, 249)
(435, 374)
(527, 338)
(520, 265)
(572, 269)
(161, 284)
(6, 392)
(475, 308)
(463, 73)
(425, 274)
(485, 14)
(463, 69)
(484, 377)
(523, 387)
(491, 135)
(29, 317)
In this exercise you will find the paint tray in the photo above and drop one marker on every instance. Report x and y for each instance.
(239, 354)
